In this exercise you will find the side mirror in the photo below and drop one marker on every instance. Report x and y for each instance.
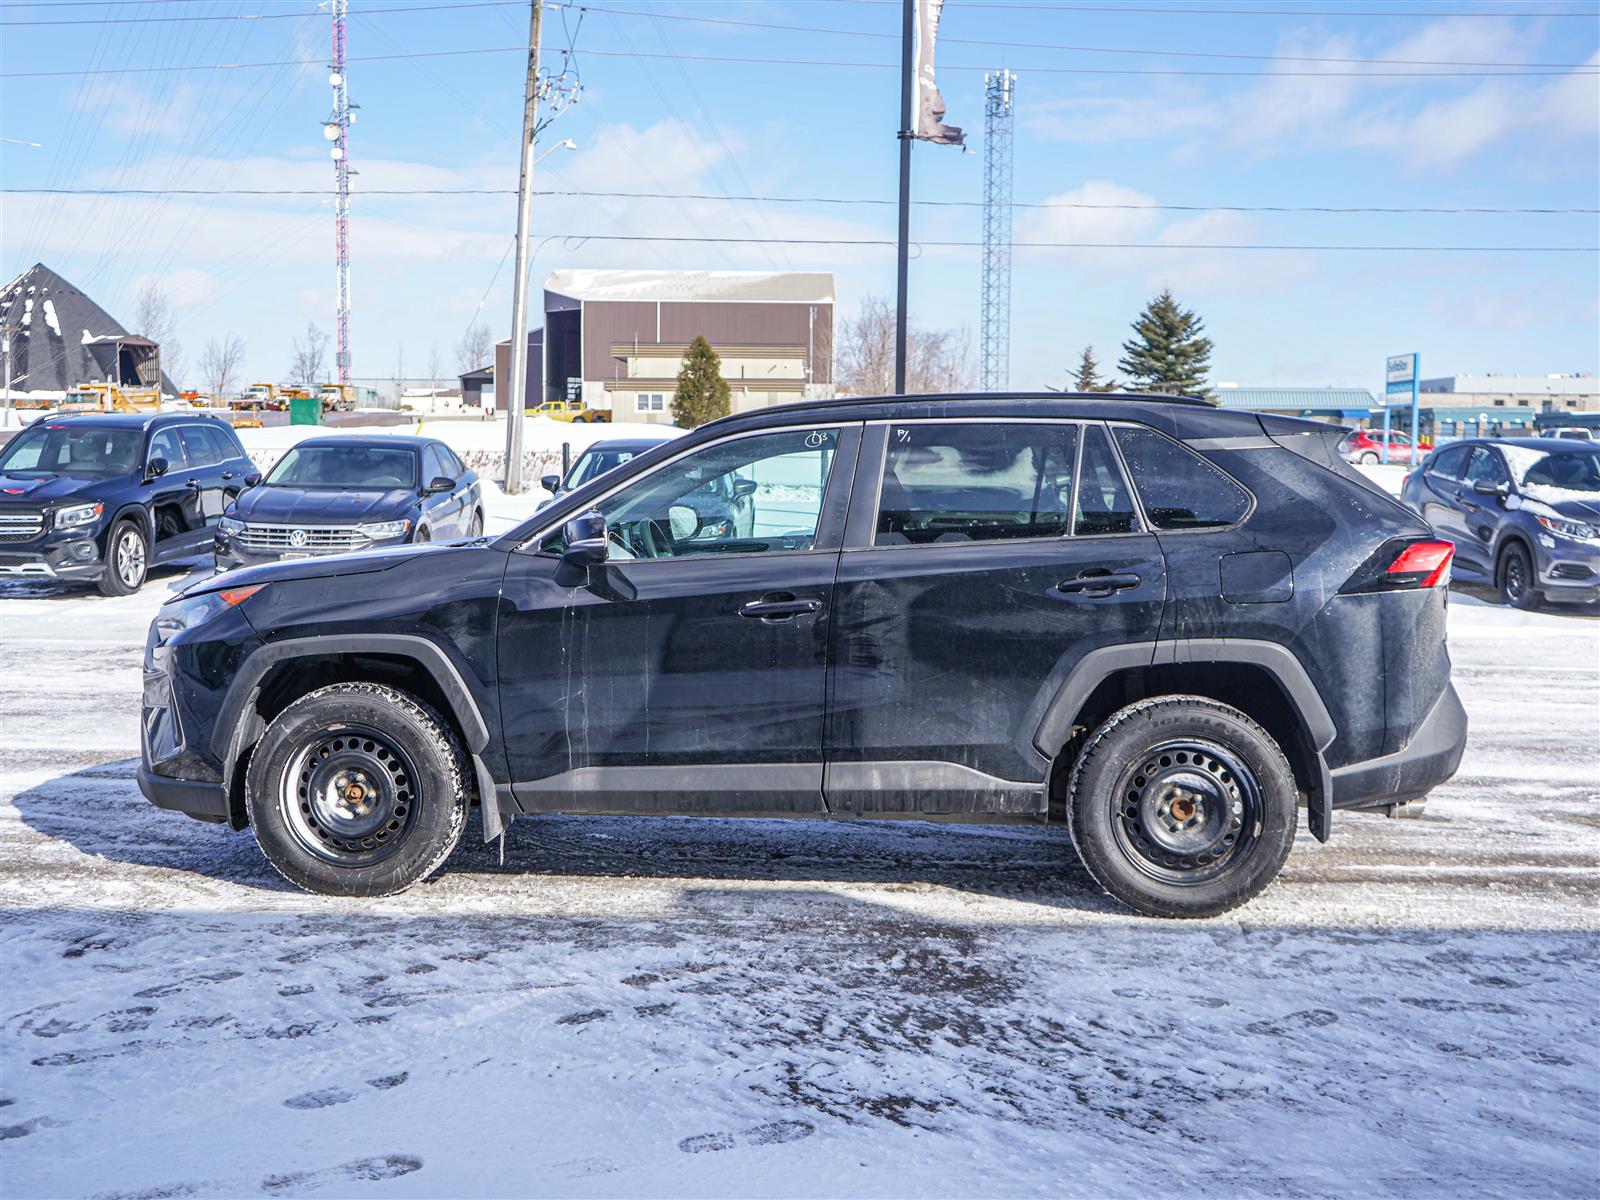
(550, 483)
(588, 544)
(156, 468)
(441, 483)
(744, 487)
(1488, 487)
(253, 479)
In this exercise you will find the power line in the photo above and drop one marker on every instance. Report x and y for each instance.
(828, 30)
(584, 194)
(806, 62)
(1048, 6)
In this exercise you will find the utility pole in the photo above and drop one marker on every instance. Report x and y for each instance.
(995, 336)
(907, 133)
(519, 288)
(337, 130)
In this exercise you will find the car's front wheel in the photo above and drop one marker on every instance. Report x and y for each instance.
(1516, 578)
(357, 789)
(1180, 806)
(127, 560)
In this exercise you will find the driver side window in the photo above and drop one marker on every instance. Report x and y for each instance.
(164, 444)
(750, 495)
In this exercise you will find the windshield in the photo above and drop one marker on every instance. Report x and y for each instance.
(71, 450)
(1571, 475)
(344, 467)
(594, 463)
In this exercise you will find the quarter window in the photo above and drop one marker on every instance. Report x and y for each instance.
(1178, 488)
(975, 483)
(751, 495)
(1104, 504)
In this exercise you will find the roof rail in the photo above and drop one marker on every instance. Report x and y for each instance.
(1140, 397)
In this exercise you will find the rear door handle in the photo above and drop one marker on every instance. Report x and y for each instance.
(191, 483)
(779, 609)
(1102, 584)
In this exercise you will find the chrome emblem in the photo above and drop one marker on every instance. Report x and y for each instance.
(298, 538)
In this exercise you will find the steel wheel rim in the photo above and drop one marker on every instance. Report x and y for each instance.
(350, 796)
(1515, 576)
(1187, 811)
(130, 557)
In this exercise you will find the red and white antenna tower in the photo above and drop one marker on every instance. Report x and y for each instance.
(337, 130)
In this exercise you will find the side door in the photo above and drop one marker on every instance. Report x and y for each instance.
(205, 469)
(1479, 516)
(441, 509)
(466, 493)
(175, 498)
(687, 674)
(982, 560)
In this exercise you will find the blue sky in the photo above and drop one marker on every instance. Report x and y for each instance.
(1279, 104)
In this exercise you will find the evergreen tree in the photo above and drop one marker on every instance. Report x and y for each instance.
(1167, 353)
(1087, 378)
(702, 393)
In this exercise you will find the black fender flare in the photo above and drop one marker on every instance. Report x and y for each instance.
(238, 724)
(1278, 661)
(140, 512)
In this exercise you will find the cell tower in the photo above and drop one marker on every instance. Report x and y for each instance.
(337, 130)
(994, 353)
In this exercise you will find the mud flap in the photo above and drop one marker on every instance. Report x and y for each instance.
(1319, 803)
(491, 806)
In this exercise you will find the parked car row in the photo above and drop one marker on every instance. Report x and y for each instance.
(103, 497)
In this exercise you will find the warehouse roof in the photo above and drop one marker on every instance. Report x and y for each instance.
(59, 337)
(759, 287)
(1327, 399)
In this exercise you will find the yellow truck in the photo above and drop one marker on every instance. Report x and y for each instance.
(111, 397)
(569, 410)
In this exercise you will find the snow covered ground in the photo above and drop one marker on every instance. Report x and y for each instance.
(631, 1007)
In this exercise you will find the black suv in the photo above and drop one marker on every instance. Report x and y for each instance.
(104, 496)
(1163, 623)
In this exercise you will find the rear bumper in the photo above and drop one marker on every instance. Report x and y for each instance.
(1430, 758)
(203, 801)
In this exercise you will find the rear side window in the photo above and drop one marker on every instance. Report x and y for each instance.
(1104, 504)
(1447, 464)
(976, 483)
(1178, 488)
(198, 447)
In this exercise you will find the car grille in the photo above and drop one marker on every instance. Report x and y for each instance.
(21, 526)
(324, 538)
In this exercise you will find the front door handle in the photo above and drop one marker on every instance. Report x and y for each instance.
(192, 483)
(1099, 583)
(773, 608)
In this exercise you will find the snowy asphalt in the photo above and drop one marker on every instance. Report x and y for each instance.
(696, 1007)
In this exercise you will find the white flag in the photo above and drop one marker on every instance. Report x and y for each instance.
(929, 103)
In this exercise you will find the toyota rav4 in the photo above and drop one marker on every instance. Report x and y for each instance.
(1167, 625)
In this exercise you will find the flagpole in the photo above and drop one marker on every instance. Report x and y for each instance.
(907, 80)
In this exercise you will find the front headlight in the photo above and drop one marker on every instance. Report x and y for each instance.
(230, 525)
(188, 613)
(78, 515)
(381, 530)
(1577, 530)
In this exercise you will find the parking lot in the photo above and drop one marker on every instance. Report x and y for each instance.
(684, 1006)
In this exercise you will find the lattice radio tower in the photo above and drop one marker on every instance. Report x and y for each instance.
(337, 130)
(994, 354)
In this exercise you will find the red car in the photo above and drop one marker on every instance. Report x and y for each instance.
(1366, 446)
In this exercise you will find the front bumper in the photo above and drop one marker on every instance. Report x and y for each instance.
(1428, 759)
(58, 554)
(1569, 571)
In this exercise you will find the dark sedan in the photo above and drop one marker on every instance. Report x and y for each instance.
(597, 459)
(1524, 514)
(333, 495)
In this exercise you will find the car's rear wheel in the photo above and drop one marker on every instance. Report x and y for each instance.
(1516, 578)
(357, 789)
(127, 560)
(1180, 806)
(1368, 458)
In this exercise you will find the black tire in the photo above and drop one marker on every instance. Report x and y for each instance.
(475, 526)
(394, 753)
(127, 559)
(422, 536)
(1516, 578)
(1182, 807)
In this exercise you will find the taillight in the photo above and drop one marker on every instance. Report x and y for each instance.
(1403, 564)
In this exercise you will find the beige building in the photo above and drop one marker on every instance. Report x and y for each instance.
(1539, 393)
(617, 338)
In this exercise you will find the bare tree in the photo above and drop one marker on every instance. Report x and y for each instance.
(154, 317)
(475, 349)
(219, 362)
(937, 360)
(309, 360)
